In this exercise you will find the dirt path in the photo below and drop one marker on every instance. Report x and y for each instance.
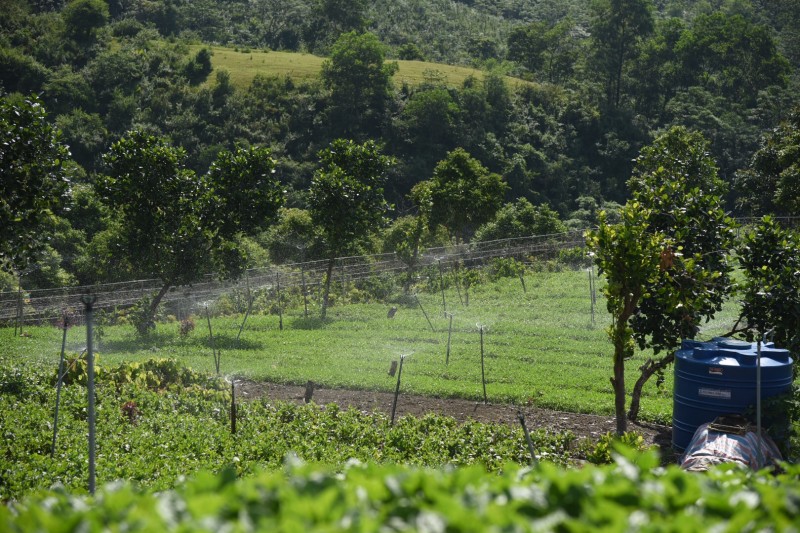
(582, 425)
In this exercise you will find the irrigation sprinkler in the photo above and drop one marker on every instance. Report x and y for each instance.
(424, 313)
(88, 300)
(397, 388)
(214, 350)
(528, 439)
(233, 406)
(280, 308)
(441, 285)
(59, 382)
(483, 372)
(449, 335)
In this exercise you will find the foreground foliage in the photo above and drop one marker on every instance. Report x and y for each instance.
(633, 494)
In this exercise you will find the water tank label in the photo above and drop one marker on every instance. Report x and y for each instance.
(719, 394)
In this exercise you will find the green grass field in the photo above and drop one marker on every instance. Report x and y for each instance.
(244, 64)
(540, 346)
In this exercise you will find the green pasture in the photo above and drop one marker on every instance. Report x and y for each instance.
(540, 346)
(244, 64)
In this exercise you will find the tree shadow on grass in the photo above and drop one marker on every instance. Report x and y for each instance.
(223, 341)
(136, 343)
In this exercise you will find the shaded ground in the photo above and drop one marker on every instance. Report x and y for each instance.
(581, 425)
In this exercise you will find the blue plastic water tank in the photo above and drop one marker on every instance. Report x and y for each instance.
(718, 378)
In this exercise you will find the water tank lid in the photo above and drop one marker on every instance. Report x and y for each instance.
(734, 344)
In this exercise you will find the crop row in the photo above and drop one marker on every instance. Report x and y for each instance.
(158, 422)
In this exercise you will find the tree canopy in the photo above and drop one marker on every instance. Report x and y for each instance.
(678, 274)
(34, 180)
(346, 198)
(461, 195)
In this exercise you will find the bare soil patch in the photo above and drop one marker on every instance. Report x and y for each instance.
(583, 426)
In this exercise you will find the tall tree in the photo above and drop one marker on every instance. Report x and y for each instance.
(617, 28)
(730, 56)
(346, 198)
(461, 195)
(771, 185)
(34, 182)
(540, 47)
(360, 81)
(83, 18)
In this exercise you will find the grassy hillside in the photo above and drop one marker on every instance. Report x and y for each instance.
(244, 64)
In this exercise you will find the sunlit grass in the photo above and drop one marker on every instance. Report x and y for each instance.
(540, 346)
(244, 64)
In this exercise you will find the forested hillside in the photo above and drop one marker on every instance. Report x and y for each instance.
(603, 79)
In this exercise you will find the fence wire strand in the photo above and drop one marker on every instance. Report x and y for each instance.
(41, 305)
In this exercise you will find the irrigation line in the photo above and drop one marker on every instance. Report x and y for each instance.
(233, 406)
(397, 389)
(528, 439)
(424, 313)
(278, 295)
(483, 373)
(88, 301)
(449, 334)
(213, 344)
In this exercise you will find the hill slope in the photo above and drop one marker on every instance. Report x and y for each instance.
(243, 64)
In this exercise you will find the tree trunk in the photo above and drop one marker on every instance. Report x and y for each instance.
(618, 382)
(328, 277)
(157, 300)
(647, 369)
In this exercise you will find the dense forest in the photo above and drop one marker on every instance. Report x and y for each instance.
(598, 81)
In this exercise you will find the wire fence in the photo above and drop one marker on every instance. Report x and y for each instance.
(37, 306)
(42, 305)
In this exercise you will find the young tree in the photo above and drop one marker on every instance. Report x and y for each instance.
(461, 195)
(176, 225)
(346, 198)
(629, 257)
(771, 290)
(666, 262)
(34, 182)
(676, 179)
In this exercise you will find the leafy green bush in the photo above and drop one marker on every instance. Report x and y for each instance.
(505, 267)
(630, 495)
(602, 452)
